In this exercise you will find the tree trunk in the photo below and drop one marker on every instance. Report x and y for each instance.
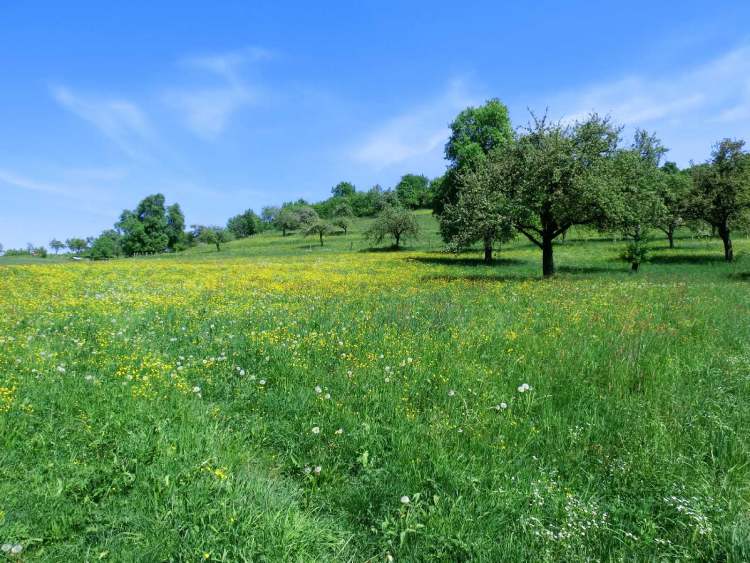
(548, 260)
(321, 239)
(283, 232)
(398, 239)
(487, 251)
(670, 237)
(218, 247)
(726, 238)
(634, 267)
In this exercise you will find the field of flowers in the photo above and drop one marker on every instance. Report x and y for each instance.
(338, 405)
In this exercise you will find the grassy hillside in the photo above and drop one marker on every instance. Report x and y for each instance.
(283, 401)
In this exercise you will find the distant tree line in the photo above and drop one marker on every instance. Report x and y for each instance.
(536, 181)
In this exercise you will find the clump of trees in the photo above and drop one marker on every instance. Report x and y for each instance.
(245, 224)
(152, 227)
(211, 235)
(541, 180)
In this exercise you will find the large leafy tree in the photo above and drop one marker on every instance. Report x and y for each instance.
(475, 133)
(395, 222)
(76, 245)
(175, 227)
(721, 194)
(480, 213)
(106, 246)
(550, 178)
(343, 189)
(245, 224)
(412, 190)
(287, 220)
(675, 189)
(635, 202)
(151, 228)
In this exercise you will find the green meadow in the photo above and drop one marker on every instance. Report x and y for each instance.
(279, 400)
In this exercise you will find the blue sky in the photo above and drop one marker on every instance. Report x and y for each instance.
(227, 105)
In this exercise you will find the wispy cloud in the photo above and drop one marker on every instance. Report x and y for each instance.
(120, 120)
(207, 110)
(415, 135)
(717, 90)
(89, 198)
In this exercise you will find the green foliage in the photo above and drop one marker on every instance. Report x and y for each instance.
(76, 245)
(213, 235)
(151, 228)
(475, 133)
(481, 213)
(56, 245)
(270, 214)
(413, 192)
(106, 246)
(721, 194)
(342, 222)
(675, 188)
(245, 224)
(343, 189)
(552, 178)
(395, 222)
(636, 184)
(318, 227)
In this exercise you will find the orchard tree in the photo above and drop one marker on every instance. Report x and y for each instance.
(675, 189)
(343, 189)
(307, 215)
(319, 228)
(151, 227)
(412, 190)
(475, 133)
(76, 245)
(214, 235)
(269, 214)
(288, 220)
(635, 189)
(106, 246)
(245, 224)
(721, 193)
(175, 227)
(56, 245)
(550, 178)
(480, 213)
(395, 222)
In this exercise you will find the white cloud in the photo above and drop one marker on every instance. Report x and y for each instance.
(713, 92)
(89, 198)
(416, 135)
(120, 120)
(208, 110)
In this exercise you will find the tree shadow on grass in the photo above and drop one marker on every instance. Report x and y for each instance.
(496, 278)
(716, 258)
(384, 249)
(449, 261)
(589, 270)
(740, 276)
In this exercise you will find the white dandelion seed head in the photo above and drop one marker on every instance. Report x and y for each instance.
(318, 389)
(196, 389)
(339, 431)
(315, 430)
(451, 392)
(405, 500)
(327, 396)
(262, 382)
(318, 469)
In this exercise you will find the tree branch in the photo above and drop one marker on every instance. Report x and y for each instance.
(529, 236)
